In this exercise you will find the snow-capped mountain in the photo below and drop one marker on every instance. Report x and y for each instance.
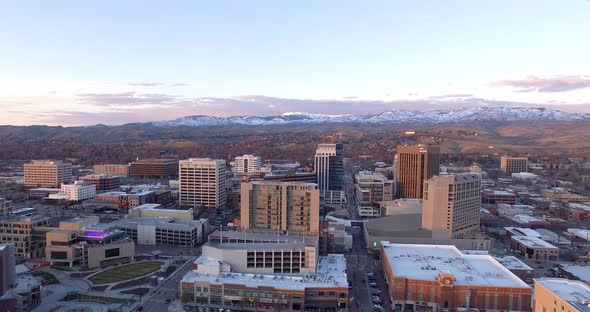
(389, 117)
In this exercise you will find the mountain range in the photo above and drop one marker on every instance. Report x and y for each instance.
(395, 116)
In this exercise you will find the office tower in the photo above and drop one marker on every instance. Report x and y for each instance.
(154, 168)
(5, 208)
(371, 189)
(7, 267)
(103, 182)
(247, 164)
(280, 207)
(413, 165)
(328, 166)
(23, 233)
(47, 173)
(118, 170)
(451, 205)
(510, 165)
(202, 183)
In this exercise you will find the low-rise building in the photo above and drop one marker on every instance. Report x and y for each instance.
(86, 242)
(401, 206)
(498, 197)
(263, 272)
(103, 182)
(534, 248)
(118, 170)
(77, 191)
(42, 192)
(371, 189)
(442, 278)
(25, 234)
(519, 268)
(560, 294)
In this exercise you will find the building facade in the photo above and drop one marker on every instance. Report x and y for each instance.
(560, 294)
(280, 207)
(371, 189)
(7, 263)
(329, 167)
(202, 183)
(103, 182)
(85, 242)
(247, 164)
(154, 168)
(78, 191)
(510, 165)
(451, 205)
(5, 208)
(116, 170)
(414, 165)
(442, 278)
(47, 173)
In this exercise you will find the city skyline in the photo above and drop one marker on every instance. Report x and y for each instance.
(70, 63)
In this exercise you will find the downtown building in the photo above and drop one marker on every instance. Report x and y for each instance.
(451, 205)
(371, 189)
(266, 272)
(247, 164)
(47, 173)
(77, 191)
(442, 278)
(116, 170)
(154, 168)
(202, 184)
(510, 165)
(22, 231)
(560, 294)
(413, 165)
(329, 169)
(103, 182)
(280, 207)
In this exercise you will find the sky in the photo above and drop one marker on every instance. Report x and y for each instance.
(112, 62)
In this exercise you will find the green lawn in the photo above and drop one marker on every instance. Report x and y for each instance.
(126, 272)
(88, 298)
(47, 277)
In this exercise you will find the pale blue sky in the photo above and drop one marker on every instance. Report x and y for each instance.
(52, 51)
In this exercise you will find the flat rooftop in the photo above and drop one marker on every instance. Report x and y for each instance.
(424, 262)
(580, 271)
(167, 223)
(573, 292)
(522, 231)
(522, 218)
(331, 272)
(532, 242)
(258, 237)
(513, 263)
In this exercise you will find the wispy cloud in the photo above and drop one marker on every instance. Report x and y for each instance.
(156, 84)
(554, 84)
(126, 99)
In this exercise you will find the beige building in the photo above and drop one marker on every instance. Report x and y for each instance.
(451, 205)
(414, 165)
(26, 234)
(155, 211)
(280, 206)
(117, 170)
(47, 173)
(371, 189)
(86, 242)
(534, 248)
(510, 165)
(202, 183)
(560, 294)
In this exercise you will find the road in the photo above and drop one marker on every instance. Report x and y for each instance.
(156, 301)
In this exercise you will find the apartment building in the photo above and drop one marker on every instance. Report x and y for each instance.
(77, 191)
(510, 165)
(116, 170)
(560, 294)
(280, 207)
(47, 173)
(247, 164)
(451, 205)
(154, 168)
(371, 189)
(414, 165)
(103, 182)
(202, 183)
(266, 272)
(86, 242)
(442, 278)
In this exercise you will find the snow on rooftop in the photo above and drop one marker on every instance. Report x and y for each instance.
(424, 262)
(574, 292)
(580, 233)
(522, 231)
(580, 271)
(532, 242)
(513, 263)
(331, 272)
(522, 218)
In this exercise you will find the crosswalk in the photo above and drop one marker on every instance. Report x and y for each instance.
(159, 300)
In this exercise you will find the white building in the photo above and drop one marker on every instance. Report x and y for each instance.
(328, 166)
(77, 191)
(202, 183)
(451, 205)
(247, 164)
(372, 189)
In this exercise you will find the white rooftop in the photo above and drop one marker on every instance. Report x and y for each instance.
(331, 272)
(513, 263)
(580, 271)
(532, 242)
(574, 292)
(522, 218)
(424, 262)
(522, 231)
(580, 233)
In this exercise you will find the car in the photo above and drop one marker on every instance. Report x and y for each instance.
(373, 284)
(167, 300)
